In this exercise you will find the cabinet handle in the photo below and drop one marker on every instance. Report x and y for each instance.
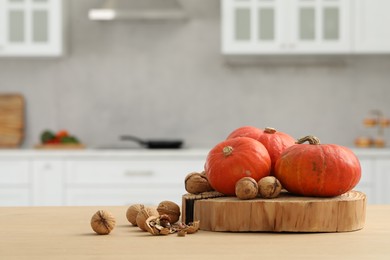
(131, 173)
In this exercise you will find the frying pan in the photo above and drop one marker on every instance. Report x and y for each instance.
(155, 143)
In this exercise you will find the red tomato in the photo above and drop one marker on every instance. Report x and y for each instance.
(55, 140)
(62, 133)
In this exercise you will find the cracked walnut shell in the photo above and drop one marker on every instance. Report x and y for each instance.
(159, 225)
(144, 214)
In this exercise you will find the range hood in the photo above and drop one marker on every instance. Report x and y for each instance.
(138, 10)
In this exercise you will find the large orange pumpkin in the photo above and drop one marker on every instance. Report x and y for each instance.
(234, 159)
(275, 142)
(246, 131)
(320, 170)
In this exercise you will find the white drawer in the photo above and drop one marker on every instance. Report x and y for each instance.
(15, 197)
(122, 196)
(130, 172)
(368, 171)
(14, 172)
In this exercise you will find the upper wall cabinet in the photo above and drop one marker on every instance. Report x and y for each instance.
(305, 26)
(31, 28)
(280, 26)
(371, 26)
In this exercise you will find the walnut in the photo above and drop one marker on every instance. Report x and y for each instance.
(246, 188)
(269, 187)
(132, 212)
(196, 183)
(171, 209)
(103, 222)
(144, 214)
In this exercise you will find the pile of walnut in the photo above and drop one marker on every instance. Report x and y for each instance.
(160, 220)
(246, 188)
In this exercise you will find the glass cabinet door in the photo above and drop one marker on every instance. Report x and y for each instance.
(31, 27)
(250, 25)
(320, 25)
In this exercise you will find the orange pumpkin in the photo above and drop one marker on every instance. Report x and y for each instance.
(320, 170)
(246, 131)
(275, 142)
(233, 159)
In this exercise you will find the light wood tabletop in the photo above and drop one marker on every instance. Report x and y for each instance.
(65, 233)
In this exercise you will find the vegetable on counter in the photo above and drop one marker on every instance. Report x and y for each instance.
(320, 170)
(60, 137)
(233, 159)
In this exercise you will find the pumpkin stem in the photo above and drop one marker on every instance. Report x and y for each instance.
(310, 138)
(227, 150)
(269, 130)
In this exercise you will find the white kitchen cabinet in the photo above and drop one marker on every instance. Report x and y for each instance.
(383, 181)
(31, 28)
(123, 182)
(99, 177)
(371, 26)
(47, 182)
(368, 183)
(15, 185)
(95, 177)
(285, 27)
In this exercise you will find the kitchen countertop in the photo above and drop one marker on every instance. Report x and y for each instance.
(196, 152)
(65, 233)
(83, 153)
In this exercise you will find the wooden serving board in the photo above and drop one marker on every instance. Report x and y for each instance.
(11, 120)
(59, 146)
(287, 213)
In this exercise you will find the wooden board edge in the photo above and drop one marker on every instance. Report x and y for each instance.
(352, 208)
(59, 146)
(188, 203)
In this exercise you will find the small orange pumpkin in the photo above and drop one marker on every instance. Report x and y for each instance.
(233, 159)
(246, 131)
(275, 142)
(320, 170)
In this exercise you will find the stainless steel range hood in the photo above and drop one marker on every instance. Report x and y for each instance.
(138, 10)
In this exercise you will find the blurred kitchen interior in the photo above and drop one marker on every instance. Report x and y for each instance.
(169, 79)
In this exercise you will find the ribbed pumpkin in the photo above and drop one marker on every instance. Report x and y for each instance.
(320, 170)
(234, 159)
(275, 142)
(246, 131)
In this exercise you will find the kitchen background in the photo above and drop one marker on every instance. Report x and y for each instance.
(170, 80)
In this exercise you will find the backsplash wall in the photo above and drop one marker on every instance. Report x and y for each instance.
(169, 80)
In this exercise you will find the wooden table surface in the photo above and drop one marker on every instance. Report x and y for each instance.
(65, 233)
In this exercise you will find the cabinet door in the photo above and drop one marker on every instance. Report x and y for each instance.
(383, 171)
(123, 182)
(15, 184)
(368, 183)
(253, 26)
(48, 182)
(320, 26)
(31, 27)
(371, 26)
